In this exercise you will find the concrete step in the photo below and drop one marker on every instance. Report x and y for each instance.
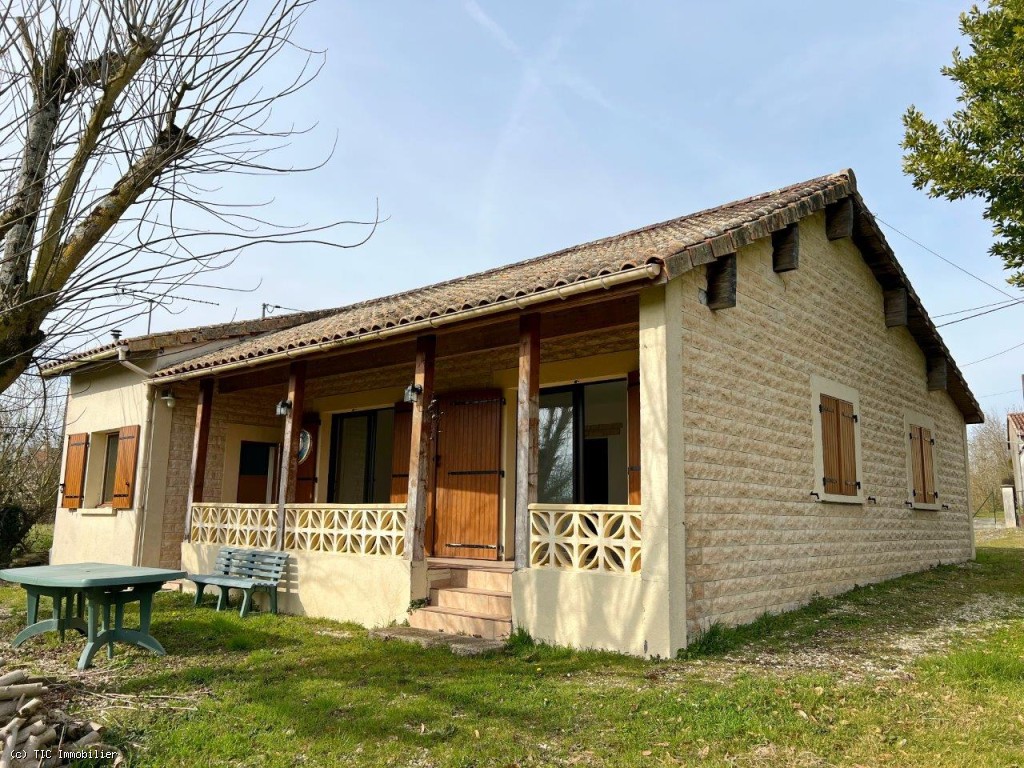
(480, 601)
(498, 580)
(456, 622)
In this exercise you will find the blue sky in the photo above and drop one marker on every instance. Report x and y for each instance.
(494, 132)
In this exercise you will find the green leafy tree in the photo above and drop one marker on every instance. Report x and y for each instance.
(979, 151)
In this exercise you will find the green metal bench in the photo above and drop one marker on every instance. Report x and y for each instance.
(249, 570)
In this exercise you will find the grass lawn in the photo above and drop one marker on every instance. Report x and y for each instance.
(927, 670)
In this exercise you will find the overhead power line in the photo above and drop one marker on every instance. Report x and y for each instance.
(996, 354)
(1008, 302)
(943, 258)
(979, 314)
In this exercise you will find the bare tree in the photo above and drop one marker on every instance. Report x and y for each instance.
(990, 465)
(113, 115)
(30, 456)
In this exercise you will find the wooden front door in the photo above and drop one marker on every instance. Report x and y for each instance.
(468, 475)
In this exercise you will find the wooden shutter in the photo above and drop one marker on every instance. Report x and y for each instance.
(838, 446)
(124, 474)
(916, 466)
(832, 479)
(400, 447)
(928, 466)
(922, 464)
(633, 436)
(305, 474)
(847, 448)
(74, 471)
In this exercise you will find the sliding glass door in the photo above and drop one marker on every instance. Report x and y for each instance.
(360, 460)
(583, 444)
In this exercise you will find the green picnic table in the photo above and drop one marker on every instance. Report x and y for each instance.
(82, 593)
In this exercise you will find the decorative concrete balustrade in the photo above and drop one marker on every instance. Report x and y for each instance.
(586, 537)
(349, 529)
(234, 525)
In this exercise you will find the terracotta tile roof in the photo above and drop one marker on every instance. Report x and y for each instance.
(682, 242)
(182, 337)
(1017, 419)
(658, 251)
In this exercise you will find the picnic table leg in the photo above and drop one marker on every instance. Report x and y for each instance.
(35, 626)
(118, 624)
(115, 631)
(58, 609)
(145, 614)
(91, 633)
(33, 605)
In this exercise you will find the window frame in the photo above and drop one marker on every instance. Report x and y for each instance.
(822, 386)
(109, 471)
(916, 419)
(577, 389)
(370, 468)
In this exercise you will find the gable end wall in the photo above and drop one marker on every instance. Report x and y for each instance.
(756, 539)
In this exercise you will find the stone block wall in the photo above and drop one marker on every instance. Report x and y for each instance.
(756, 540)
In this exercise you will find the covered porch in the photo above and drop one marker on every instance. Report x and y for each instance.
(512, 469)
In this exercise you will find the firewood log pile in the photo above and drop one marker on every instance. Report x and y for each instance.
(34, 735)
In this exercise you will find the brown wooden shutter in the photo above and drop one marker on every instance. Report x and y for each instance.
(847, 448)
(74, 471)
(917, 466)
(633, 436)
(831, 462)
(927, 466)
(305, 474)
(124, 473)
(400, 446)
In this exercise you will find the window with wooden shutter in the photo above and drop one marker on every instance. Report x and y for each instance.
(922, 464)
(402, 437)
(74, 471)
(838, 446)
(124, 473)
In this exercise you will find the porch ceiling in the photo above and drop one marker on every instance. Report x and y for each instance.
(586, 315)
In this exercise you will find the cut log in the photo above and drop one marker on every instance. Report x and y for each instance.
(27, 689)
(29, 707)
(13, 678)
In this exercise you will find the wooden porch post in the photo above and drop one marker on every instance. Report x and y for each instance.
(527, 437)
(200, 443)
(290, 444)
(419, 449)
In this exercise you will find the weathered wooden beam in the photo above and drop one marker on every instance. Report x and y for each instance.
(419, 449)
(896, 307)
(527, 433)
(290, 444)
(786, 248)
(200, 446)
(839, 219)
(722, 282)
(938, 376)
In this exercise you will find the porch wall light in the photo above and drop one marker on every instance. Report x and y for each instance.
(168, 397)
(412, 393)
(283, 408)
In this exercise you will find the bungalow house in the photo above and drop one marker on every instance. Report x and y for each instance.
(611, 446)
